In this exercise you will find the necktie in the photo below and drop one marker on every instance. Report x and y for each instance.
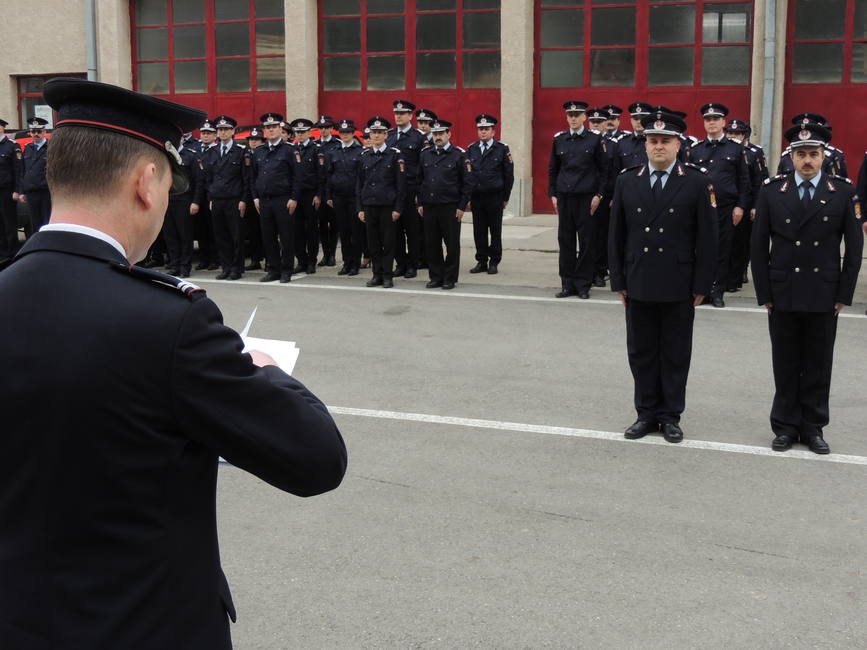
(439, 150)
(807, 187)
(270, 147)
(485, 148)
(223, 151)
(656, 188)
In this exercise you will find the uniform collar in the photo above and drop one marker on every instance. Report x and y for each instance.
(380, 149)
(578, 132)
(651, 168)
(85, 230)
(407, 129)
(814, 181)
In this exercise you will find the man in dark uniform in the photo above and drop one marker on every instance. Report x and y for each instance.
(612, 124)
(424, 117)
(662, 252)
(630, 149)
(380, 190)
(177, 230)
(108, 509)
(275, 191)
(309, 170)
(410, 141)
(190, 142)
(835, 159)
(341, 173)
(252, 223)
(577, 176)
(801, 219)
(203, 228)
(599, 119)
(32, 186)
(227, 178)
(10, 170)
(445, 186)
(492, 186)
(728, 168)
(328, 230)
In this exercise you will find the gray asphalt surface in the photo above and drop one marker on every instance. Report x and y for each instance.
(452, 536)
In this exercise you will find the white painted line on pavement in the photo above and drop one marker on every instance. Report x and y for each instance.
(598, 435)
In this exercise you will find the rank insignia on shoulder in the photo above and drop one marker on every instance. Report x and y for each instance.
(712, 195)
(772, 179)
(297, 156)
(190, 290)
(842, 178)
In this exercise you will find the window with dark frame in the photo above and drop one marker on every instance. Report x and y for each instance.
(829, 41)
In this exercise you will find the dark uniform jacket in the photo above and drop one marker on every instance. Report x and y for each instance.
(727, 166)
(381, 179)
(861, 186)
(32, 171)
(226, 177)
(274, 172)
(10, 163)
(411, 145)
(445, 177)
(310, 167)
(834, 165)
(190, 164)
(629, 151)
(341, 170)
(578, 164)
(192, 143)
(757, 168)
(663, 251)
(110, 444)
(796, 254)
(494, 171)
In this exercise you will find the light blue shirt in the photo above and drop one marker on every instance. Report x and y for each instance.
(381, 149)
(814, 182)
(665, 176)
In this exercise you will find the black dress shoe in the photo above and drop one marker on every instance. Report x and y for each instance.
(818, 445)
(565, 293)
(352, 271)
(234, 275)
(782, 442)
(343, 270)
(311, 269)
(448, 285)
(640, 428)
(718, 302)
(584, 295)
(299, 268)
(270, 277)
(598, 281)
(400, 270)
(285, 277)
(374, 282)
(253, 266)
(492, 268)
(422, 265)
(222, 276)
(331, 261)
(410, 273)
(201, 266)
(213, 266)
(672, 432)
(434, 284)
(323, 261)
(387, 283)
(480, 267)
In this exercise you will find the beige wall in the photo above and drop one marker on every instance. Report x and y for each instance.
(302, 66)
(113, 47)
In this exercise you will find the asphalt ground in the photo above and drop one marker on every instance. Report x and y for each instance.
(491, 501)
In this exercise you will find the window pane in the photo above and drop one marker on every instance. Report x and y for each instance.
(386, 34)
(341, 7)
(151, 12)
(612, 67)
(269, 8)
(725, 66)
(859, 62)
(385, 6)
(270, 37)
(434, 5)
(342, 35)
(819, 18)
(231, 9)
(188, 11)
(189, 42)
(32, 85)
(386, 72)
(482, 70)
(482, 31)
(153, 43)
(672, 24)
(860, 27)
(563, 28)
(233, 75)
(613, 26)
(191, 77)
(436, 32)
(560, 3)
(271, 73)
(481, 4)
(153, 78)
(562, 69)
(726, 23)
(342, 73)
(818, 63)
(233, 39)
(435, 70)
(670, 66)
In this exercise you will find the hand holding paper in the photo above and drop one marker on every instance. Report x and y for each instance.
(283, 353)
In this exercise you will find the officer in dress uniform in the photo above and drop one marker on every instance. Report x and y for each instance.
(728, 168)
(204, 229)
(10, 169)
(32, 186)
(410, 141)
(252, 224)
(380, 191)
(577, 177)
(662, 253)
(612, 125)
(341, 172)
(177, 230)
(310, 170)
(599, 119)
(109, 508)
(494, 173)
(190, 142)
(328, 230)
(424, 117)
(835, 159)
(801, 219)
(630, 149)
(276, 191)
(227, 178)
(446, 185)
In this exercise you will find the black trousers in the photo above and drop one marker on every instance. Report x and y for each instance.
(328, 230)
(177, 233)
(351, 230)
(251, 227)
(740, 256)
(442, 227)
(204, 234)
(407, 251)
(659, 347)
(602, 217)
(488, 219)
(306, 229)
(381, 237)
(724, 252)
(39, 202)
(227, 234)
(577, 265)
(8, 223)
(276, 221)
(802, 350)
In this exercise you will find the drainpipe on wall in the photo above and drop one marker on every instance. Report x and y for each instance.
(769, 81)
(90, 36)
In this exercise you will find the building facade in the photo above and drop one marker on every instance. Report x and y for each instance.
(518, 59)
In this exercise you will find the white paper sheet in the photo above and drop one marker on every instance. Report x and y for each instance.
(285, 353)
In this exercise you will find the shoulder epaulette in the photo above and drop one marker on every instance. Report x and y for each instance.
(830, 147)
(618, 138)
(420, 131)
(395, 149)
(840, 178)
(365, 150)
(626, 169)
(697, 142)
(503, 143)
(786, 152)
(703, 170)
(190, 290)
(559, 133)
(774, 179)
(461, 150)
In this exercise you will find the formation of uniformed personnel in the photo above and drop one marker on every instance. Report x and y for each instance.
(251, 224)
(801, 220)
(328, 229)
(177, 230)
(204, 229)
(380, 193)
(599, 119)
(493, 178)
(445, 187)
(109, 510)
(662, 255)
(341, 171)
(835, 159)
(309, 168)
(32, 184)
(728, 169)
(577, 176)
(10, 169)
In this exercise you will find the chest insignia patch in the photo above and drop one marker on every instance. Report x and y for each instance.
(712, 195)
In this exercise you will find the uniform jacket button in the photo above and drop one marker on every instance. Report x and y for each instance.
(671, 209)
(660, 230)
(639, 209)
(660, 250)
(646, 249)
(797, 243)
(815, 243)
(816, 270)
(824, 218)
(647, 229)
(788, 221)
(797, 269)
